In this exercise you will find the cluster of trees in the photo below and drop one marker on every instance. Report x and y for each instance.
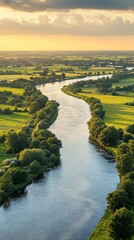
(129, 88)
(10, 73)
(104, 85)
(4, 96)
(39, 154)
(16, 141)
(100, 132)
(120, 202)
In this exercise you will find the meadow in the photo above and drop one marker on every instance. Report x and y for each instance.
(18, 91)
(117, 114)
(14, 121)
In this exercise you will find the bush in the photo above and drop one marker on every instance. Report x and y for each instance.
(28, 155)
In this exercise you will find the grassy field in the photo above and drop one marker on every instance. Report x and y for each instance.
(13, 77)
(19, 91)
(14, 121)
(124, 82)
(117, 113)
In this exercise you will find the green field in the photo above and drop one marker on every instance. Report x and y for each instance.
(117, 113)
(19, 91)
(13, 77)
(14, 121)
(125, 82)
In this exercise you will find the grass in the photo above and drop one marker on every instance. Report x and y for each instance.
(100, 232)
(117, 113)
(124, 82)
(19, 91)
(14, 121)
(13, 77)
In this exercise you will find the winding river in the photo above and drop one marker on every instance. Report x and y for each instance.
(70, 200)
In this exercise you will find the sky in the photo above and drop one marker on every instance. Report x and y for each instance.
(67, 25)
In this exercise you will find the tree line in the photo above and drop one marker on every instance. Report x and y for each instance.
(36, 148)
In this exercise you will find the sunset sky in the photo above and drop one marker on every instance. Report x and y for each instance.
(66, 24)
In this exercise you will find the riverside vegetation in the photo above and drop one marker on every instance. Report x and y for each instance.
(33, 150)
(117, 222)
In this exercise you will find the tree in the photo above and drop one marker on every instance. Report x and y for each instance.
(117, 200)
(34, 107)
(45, 72)
(42, 100)
(63, 75)
(15, 142)
(120, 225)
(127, 137)
(28, 155)
(35, 167)
(109, 136)
(12, 142)
(130, 129)
(124, 158)
(128, 187)
(18, 176)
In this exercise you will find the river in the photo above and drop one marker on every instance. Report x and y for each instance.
(68, 203)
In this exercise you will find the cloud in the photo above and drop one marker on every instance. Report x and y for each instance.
(42, 5)
(69, 23)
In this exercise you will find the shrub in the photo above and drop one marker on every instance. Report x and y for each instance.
(28, 155)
